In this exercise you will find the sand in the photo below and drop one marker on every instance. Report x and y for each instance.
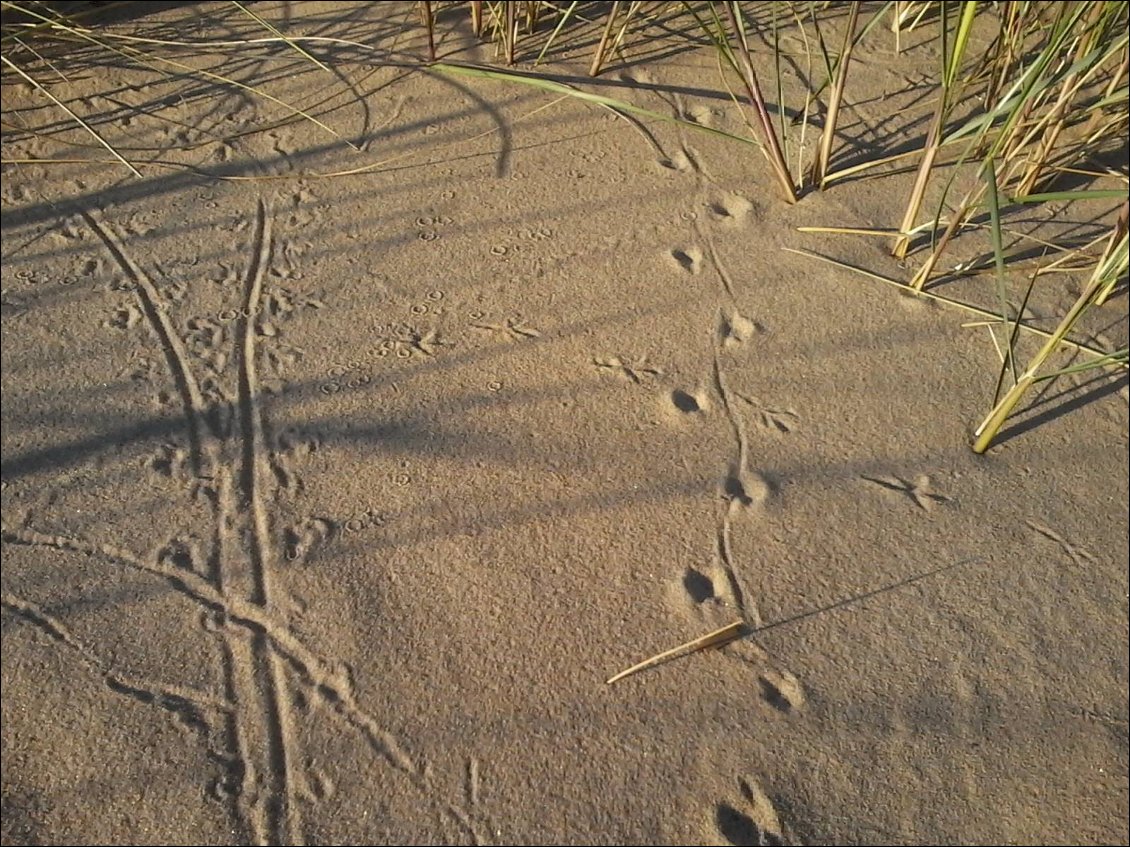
(331, 503)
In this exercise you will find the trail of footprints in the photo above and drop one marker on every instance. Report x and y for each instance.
(220, 366)
(715, 589)
(753, 821)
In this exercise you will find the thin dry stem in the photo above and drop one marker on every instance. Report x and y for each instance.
(717, 638)
(598, 56)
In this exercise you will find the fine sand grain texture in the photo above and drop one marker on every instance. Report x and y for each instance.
(330, 503)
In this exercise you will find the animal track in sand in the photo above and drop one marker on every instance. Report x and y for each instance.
(730, 209)
(920, 490)
(755, 823)
(699, 586)
(287, 481)
(301, 540)
(781, 690)
(316, 784)
(540, 233)
(192, 709)
(683, 160)
(702, 115)
(298, 443)
(170, 461)
(687, 402)
(1080, 556)
(126, 317)
(707, 589)
(688, 259)
(345, 377)
(746, 489)
(735, 329)
(431, 304)
(678, 161)
(768, 418)
(181, 553)
(140, 368)
(231, 579)
(404, 340)
(370, 518)
(511, 329)
(207, 339)
(634, 370)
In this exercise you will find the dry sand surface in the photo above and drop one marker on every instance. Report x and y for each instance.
(330, 503)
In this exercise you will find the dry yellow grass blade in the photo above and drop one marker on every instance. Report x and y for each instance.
(42, 90)
(267, 25)
(992, 317)
(718, 638)
(847, 230)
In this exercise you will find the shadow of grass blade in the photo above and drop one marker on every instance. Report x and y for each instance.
(74, 116)
(150, 59)
(541, 82)
(267, 25)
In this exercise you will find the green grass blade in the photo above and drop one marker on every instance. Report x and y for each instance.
(960, 42)
(1114, 263)
(1117, 358)
(1065, 196)
(1009, 365)
(991, 317)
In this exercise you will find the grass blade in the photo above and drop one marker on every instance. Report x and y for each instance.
(1112, 267)
(753, 88)
(561, 88)
(1066, 196)
(598, 56)
(35, 84)
(564, 17)
(267, 25)
(821, 168)
(993, 317)
(718, 638)
(1009, 365)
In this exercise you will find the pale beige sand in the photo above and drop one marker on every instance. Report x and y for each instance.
(330, 504)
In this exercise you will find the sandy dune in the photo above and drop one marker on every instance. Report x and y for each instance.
(331, 502)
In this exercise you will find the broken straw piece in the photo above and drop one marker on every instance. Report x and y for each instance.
(718, 638)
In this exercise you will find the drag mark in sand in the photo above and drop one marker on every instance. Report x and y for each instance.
(1080, 556)
(233, 460)
(191, 708)
(176, 357)
(279, 780)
